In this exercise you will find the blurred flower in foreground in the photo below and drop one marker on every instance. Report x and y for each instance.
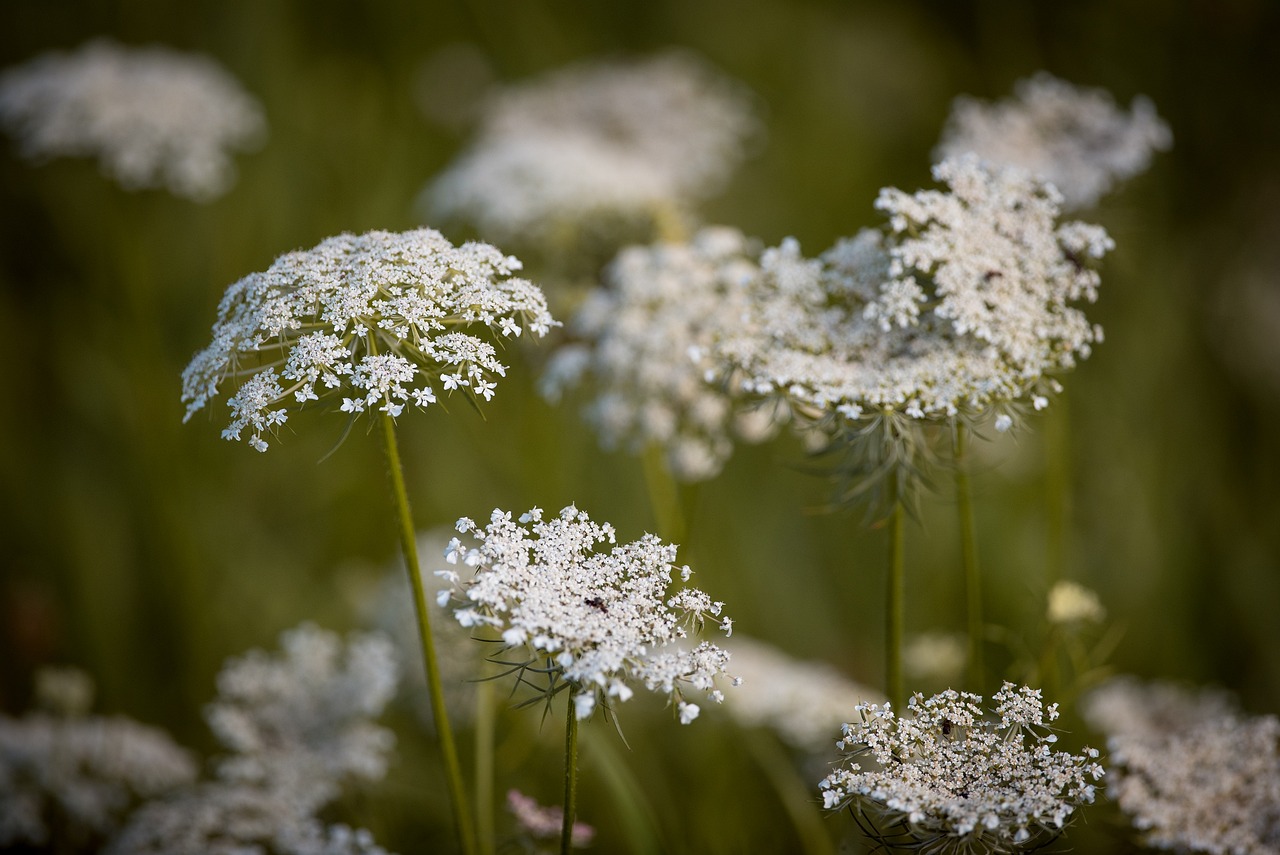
(645, 336)
(544, 823)
(948, 778)
(1192, 771)
(597, 143)
(1076, 139)
(1071, 602)
(377, 316)
(297, 727)
(153, 117)
(68, 779)
(595, 620)
(804, 702)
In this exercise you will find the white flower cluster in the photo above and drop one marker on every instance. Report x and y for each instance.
(296, 726)
(601, 620)
(803, 702)
(67, 782)
(597, 140)
(1076, 139)
(964, 306)
(1070, 602)
(961, 780)
(1192, 771)
(645, 339)
(152, 116)
(377, 316)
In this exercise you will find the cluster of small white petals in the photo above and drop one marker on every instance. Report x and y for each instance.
(644, 341)
(803, 702)
(965, 305)
(545, 823)
(601, 620)
(68, 781)
(1071, 602)
(375, 318)
(296, 726)
(959, 778)
(1192, 771)
(152, 116)
(603, 139)
(1077, 139)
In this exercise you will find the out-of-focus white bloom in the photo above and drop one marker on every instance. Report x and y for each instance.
(375, 317)
(934, 656)
(965, 304)
(545, 823)
(1077, 139)
(1192, 771)
(952, 778)
(618, 140)
(804, 702)
(645, 338)
(66, 691)
(597, 619)
(1071, 602)
(297, 727)
(152, 116)
(67, 781)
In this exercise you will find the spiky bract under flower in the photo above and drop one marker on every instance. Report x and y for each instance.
(378, 317)
(948, 777)
(591, 614)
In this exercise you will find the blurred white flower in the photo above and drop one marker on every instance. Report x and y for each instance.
(948, 777)
(599, 620)
(375, 317)
(597, 140)
(153, 117)
(545, 823)
(1071, 602)
(1191, 770)
(1077, 139)
(934, 656)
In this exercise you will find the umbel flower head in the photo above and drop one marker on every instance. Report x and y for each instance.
(947, 777)
(1191, 770)
(153, 117)
(643, 344)
(964, 306)
(375, 318)
(1077, 139)
(594, 617)
(597, 141)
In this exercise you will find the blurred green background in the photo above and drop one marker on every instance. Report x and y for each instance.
(147, 551)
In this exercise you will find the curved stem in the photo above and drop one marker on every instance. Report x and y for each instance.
(570, 776)
(409, 544)
(895, 607)
(969, 555)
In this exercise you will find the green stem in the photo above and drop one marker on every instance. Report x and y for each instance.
(895, 609)
(409, 543)
(969, 555)
(1057, 487)
(570, 776)
(484, 724)
(792, 791)
(664, 495)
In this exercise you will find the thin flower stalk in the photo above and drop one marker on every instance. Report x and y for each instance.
(895, 608)
(570, 777)
(969, 554)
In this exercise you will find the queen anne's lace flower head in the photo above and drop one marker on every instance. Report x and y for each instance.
(1071, 602)
(964, 306)
(1192, 771)
(152, 116)
(597, 140)
(644, 341)
(1075, 138)
(378, 317)
(951, 778)
(598, 620)
(543, 823)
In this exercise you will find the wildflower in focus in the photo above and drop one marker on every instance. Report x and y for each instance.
(1071, 602)
(297, 727)
(592, 621)
(376, 318)
(1190, 769)
(947, 777)
(644, 340)
(543, 823)
(153, 117)
(1076, 139)
(602, 142)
